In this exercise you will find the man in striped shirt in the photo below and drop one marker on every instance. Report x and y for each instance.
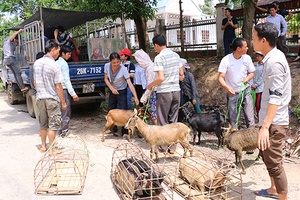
(50, 97)
(169, 69)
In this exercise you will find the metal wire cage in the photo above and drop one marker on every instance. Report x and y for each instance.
(135, 176)
(63, 168)
(203, 176)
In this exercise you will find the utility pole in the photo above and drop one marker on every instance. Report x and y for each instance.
(181, 26)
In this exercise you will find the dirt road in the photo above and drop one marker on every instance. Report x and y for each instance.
(19, 140)
(19, 154)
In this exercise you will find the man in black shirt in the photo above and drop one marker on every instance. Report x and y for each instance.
(229, 24)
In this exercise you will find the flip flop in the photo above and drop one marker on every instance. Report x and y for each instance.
(264, 193)
(171, 151)
(42, 150)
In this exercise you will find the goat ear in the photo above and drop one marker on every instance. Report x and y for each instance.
(135, 111)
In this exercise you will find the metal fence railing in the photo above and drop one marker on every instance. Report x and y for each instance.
(293, 32)
(202, 34)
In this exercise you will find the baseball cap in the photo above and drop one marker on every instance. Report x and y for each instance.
(185, 64)
(259, 52)
(125, 51)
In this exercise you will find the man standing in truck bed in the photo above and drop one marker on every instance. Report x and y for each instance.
(67, 39)
(9, 48)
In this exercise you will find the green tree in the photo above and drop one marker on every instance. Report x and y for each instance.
(4, 24)
(207, 7)
(140, 11)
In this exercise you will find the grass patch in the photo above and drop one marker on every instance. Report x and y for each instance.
(1, 86)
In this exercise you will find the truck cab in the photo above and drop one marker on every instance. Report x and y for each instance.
(86, 75)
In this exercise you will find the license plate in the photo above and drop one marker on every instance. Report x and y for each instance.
(88, 88)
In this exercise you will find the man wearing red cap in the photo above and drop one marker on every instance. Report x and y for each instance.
(125, 58)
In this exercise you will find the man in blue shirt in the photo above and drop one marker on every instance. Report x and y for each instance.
(65, 54)
(281, 26)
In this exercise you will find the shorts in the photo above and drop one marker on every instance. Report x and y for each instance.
(49, 114)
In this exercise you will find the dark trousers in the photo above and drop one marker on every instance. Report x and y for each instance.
(280, 44)
(167, 106)
(246, 105)
(13, 66)
(118, 102)
(139, 92)
(227, 43)
(66, 114)
(258, 102)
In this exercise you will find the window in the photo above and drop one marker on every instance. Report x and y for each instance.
(178, 36)
(205, 36)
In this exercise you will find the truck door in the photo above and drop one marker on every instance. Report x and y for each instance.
(34, 40)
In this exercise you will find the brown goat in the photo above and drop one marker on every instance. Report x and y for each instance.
(117, 117)
(241, 140)
(161, 135)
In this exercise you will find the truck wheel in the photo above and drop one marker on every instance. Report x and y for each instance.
(93, 106)
(29, 104)
(12, 99)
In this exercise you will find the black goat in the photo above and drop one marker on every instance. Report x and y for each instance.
(207, 122)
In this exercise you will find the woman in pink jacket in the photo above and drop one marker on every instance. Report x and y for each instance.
(145, 62)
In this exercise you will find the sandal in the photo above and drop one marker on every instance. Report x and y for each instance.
(42, 150)
(171, 151)
(265, 193)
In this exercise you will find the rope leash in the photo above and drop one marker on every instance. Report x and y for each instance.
(239, 102)
(146, 109)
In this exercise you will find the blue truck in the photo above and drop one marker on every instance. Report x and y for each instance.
(87, 75)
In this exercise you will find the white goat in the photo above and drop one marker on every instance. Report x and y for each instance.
(161, 135)
(241, 140)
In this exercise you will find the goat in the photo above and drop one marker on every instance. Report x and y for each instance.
(241, 140)
(129, 180)
(117, 117)
(201, 174)
(161, 135)
(207, 122)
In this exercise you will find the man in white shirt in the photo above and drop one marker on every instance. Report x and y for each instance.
(235, 71)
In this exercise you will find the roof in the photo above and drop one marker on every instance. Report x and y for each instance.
(287, 4)
(268, 2)
(189, 7)
(65, 18)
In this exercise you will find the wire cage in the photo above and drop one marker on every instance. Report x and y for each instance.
(135, 176)
(202, 176)
(63, 168)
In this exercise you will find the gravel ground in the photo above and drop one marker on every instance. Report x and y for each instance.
(19, 140)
